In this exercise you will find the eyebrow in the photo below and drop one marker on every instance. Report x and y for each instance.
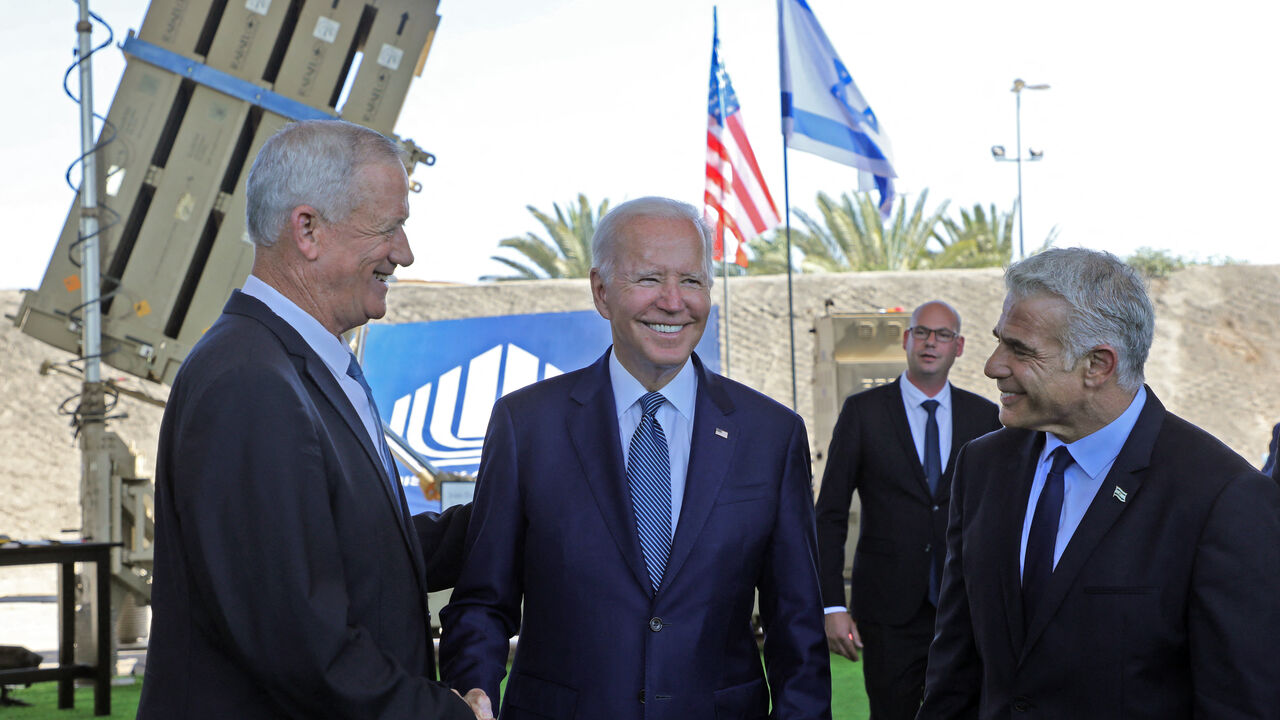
(1017, 345)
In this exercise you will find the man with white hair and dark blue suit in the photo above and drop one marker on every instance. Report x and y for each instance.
(290, 580)
(627, 513)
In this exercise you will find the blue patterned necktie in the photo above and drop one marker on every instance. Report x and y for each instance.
(384, 452)
(1037, 564)
(649, 477)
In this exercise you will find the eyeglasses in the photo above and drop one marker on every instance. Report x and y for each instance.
(921, 332)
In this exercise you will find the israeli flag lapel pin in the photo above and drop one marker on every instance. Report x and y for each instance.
(1120, 494)
(721, 432)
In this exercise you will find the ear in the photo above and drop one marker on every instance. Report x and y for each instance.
(959, 345)
(304, 223)
(905, 334)
(597, 294)
(1100, 365)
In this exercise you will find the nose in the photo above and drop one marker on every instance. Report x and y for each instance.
(401, 254)
(995, 367)
(669, 297)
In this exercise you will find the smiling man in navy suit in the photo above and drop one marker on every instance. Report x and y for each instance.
(627, 513)
(1105, 558)
(290, 580)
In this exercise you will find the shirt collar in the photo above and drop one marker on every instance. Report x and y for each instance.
(333, 351)
(1096, 451)
(914, 395)
(681, 392)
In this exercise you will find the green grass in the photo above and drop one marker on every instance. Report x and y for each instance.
(848, 693)
(848, 698)
(44, 703)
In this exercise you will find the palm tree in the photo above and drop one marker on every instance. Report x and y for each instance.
(980, 239)
(768, 252)
(566, 255)
(852, 236)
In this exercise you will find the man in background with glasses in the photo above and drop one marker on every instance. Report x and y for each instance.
(896, 445)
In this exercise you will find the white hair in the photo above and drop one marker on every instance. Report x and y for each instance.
(314, 162)
(609, 231)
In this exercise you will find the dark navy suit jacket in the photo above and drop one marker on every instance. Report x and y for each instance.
(1162, 606)
(553, 528)
(903, 524)
(286, 582)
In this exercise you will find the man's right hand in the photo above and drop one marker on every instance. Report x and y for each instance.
(478, 701)
(842, 635)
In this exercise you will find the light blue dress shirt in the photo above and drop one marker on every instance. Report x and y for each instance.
(675, 416)
(332, 350)
(1094, 454)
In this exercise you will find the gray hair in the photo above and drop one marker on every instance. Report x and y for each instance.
(314, 163)
(1109, 305)
(609, 231)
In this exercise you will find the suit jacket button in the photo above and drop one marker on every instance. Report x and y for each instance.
(1021, 705)
(935, 508)
(655, 624)
(641, 697)
(928, 548)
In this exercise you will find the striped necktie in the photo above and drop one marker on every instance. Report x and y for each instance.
(649, 477)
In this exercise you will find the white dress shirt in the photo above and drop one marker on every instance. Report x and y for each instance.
(917, 419)
(675, 416)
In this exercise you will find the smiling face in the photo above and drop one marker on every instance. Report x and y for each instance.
(930, 360)
(355, 255)
(1036, 391)
(658, 298)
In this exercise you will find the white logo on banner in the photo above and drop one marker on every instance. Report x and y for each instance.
(445, 421)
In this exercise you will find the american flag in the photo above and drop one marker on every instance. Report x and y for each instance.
(736, 198)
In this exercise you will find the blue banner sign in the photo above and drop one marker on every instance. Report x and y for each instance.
(436, 382)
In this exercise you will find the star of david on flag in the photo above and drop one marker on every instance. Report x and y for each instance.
(823, 111)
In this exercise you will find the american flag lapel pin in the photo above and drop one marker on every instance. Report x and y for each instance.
(1120, 494)
(721, 432)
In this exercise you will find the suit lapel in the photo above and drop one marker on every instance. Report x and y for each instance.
(1019, 472)
(1126, 473)
(710, 455)
(312, 367)
(897, 412)
(593, 429)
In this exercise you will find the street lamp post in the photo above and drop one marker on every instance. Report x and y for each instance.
(998, 152)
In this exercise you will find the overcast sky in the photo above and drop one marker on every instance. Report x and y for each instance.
(1158, 129)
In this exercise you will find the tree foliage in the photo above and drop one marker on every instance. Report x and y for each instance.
(982, 238)
(851, 236)
(568, 252)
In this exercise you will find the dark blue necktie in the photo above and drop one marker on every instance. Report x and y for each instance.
(1037, 564)
(933, 473)
(932, 451)
(384, 452)
(649, 477)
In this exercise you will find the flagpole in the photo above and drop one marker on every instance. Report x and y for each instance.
(791, 313)
(724, 272)
(720, 224)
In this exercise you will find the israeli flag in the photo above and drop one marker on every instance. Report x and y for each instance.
(822, 110)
